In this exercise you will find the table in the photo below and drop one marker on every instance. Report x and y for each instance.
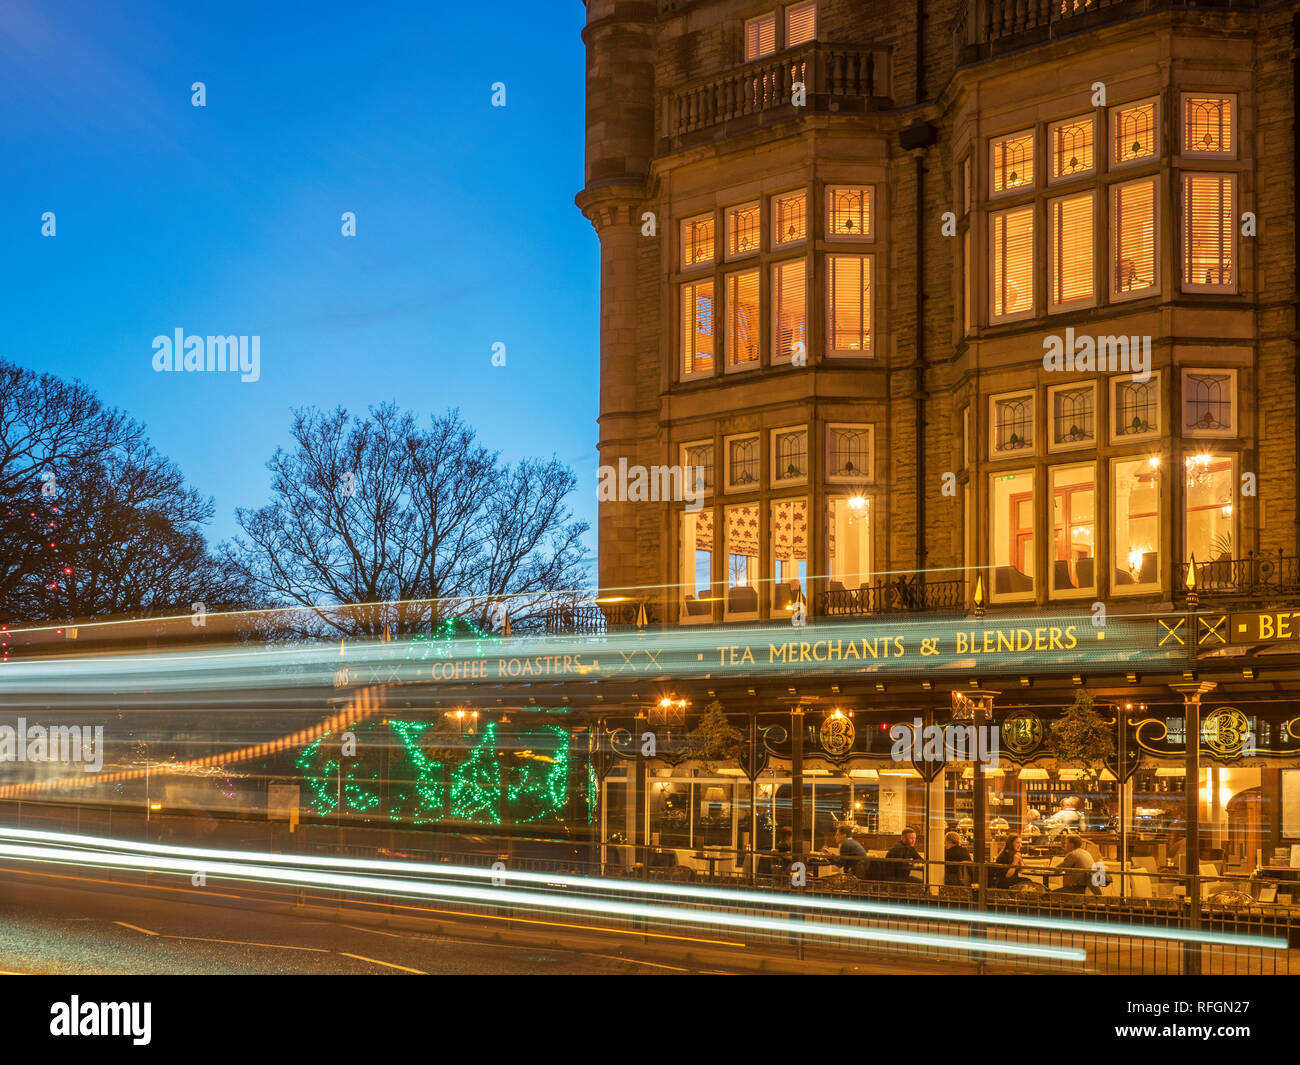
(712, 859)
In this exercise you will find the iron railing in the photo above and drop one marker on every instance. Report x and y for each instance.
(1257, 576)
(902, 594)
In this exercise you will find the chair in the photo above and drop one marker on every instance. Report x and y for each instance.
(1083, 568)
(694, 608)
(742, 599)
(1061, 575)
(1007, 580)
(1139, 887)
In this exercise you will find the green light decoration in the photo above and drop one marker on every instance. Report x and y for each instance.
(521, 775)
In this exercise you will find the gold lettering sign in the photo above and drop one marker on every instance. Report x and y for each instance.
(1267, 626)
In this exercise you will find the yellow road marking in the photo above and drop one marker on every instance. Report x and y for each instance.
(376, 961)
(136, 928)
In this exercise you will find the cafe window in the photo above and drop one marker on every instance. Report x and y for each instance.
(1073, 413)
(760, 36)
(788, 529)
(800, 23)
(742, 463)
(789, 456)
(1012, 163)
(1210, 516)
(848, 295)
(848, 545)
(742, 560)
(697, 566)
(743, 320)
(850, 453)
(1209, 233)
(1011, 242)
(697, 241)
(697, 328)
(1011, 545)
(1135, 525)
(1011, 425)
(789, 310)
(1133, 243)
(1133, 132)
(1135, 408)
(1209, 402)
(1208, 126)
(849, 214)
(743, 229)
(1070, 263)
(700, 456)
(1071, 145)
(1074, 529)
(789, 218)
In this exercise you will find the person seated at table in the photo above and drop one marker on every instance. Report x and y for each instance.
(852, 853)
(954, 857)
(1010, 859)
(784, 846)
(900, 855)
(1079, 862)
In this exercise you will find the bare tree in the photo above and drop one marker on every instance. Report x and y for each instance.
(406, 526)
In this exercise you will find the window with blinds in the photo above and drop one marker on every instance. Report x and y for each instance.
(848, 292)
(743, 229)
(1012, 239)
(1207, 126)
(800, 23)
(1208, 232)
(1072, 147)
(849, 212)
(1133, 239)
(697, 240)
(1133, 132)
(790, 309)
(697, 327)
(742, 319)
(1012, 162)
(760, 36)
(789, 218)
(1070, 251)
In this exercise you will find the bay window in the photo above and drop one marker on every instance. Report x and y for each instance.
(1209, 232)
(788, 530)
(1074, 528)
(1133, 242)
(789, 309)
(1012, 249)
(1011, 546)
(743, 320)
(848, 295)
(696, 554)
(1070, 263)
(742, 560)
(697, 327)
(1135, 525)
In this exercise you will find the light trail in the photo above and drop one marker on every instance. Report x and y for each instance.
(256, 871)
(676, 891)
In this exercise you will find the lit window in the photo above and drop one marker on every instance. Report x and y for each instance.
(697, 566)
(697, 240)
(848, 551)
(743, 229)
(697, 327)
(742, 463)
(1074, 416)
(1070, 269)
(790, 309)
(743, 319)
(1012, 239)
(1012, 163)
(1012, 426)
(1135, 521)
(699, 457)
(849, 453)
(1207, 126)
(800, 23)
(849, 214)
(848, 292)
(788, 529)
(1210, 518)
(967, 185)
(789, 456)
(1072, 148)
(742, 559)
(760, 36)
(1133, 132)
(1073, 529)
(1209, 232)
(1135, 407)
(1133, 239)
(968, 286)
(789, 218)
(1011, 547)
(1209, 402)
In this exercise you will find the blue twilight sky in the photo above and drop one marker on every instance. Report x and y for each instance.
(225, 219)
